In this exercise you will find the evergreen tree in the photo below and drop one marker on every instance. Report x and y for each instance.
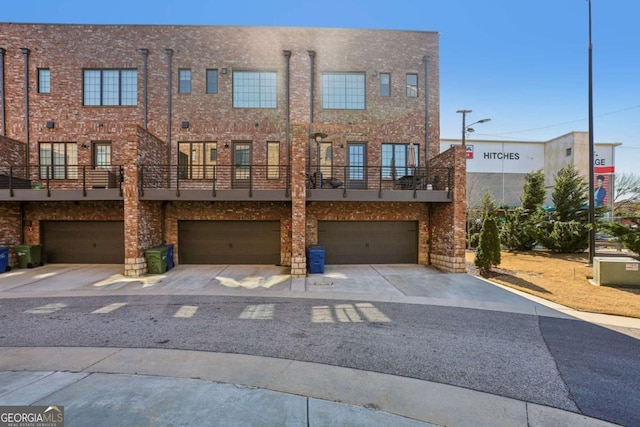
(628, 235)
(566, 229)
(488, 251)
(518, 229)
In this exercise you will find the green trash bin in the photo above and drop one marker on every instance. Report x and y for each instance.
(29, 256)
(156, 260)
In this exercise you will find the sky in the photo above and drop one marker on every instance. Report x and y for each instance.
(524, 64)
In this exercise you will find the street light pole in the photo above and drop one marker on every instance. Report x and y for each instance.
(464, 126)
(592, 210)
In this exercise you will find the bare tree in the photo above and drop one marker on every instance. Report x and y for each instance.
(627, 191)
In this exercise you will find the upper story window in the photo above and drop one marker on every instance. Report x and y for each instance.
(197, 160)
(385, 84)
(398, 161)
(212, 81)
(58, 160)
(412, 85)
(273, 160)
(44, 80)
(184, 85)
(254, 89)
(110, 87)
(343, 91)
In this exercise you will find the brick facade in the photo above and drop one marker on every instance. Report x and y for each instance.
(149, 132)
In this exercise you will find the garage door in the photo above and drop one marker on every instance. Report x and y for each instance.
(83, 242)
(229, 242)
(369, 242)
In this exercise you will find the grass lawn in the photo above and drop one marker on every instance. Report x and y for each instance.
(561, 278)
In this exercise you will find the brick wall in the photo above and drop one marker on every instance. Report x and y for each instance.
(11, 152)
(10, 227)
(68, 49)
(449, 219)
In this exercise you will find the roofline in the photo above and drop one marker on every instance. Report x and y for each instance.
(219, 26)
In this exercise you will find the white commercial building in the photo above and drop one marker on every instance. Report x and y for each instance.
(501, 166)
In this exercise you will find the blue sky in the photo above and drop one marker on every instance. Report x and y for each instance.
(521, 63)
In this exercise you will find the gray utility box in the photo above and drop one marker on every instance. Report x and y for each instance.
(616, 271)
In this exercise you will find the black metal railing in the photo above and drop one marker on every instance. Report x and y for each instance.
(61, 177)
(214, 178)
(380, 178)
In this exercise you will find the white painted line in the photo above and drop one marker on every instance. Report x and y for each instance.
(372, 313)
(186, 311)
(109, 308)
(47, 309)
(258, 312)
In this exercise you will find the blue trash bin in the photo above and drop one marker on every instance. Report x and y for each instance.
(4, 259)
(315, 259)
(169, 247)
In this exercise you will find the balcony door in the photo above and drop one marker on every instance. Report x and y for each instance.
(101, 157)
(241, 164)
(356, 161)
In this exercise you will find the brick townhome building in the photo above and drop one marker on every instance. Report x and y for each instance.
(237, 144)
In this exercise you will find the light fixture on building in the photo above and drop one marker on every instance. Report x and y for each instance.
(50, 124)
(185, 124)
(226, 145)
(318, 137)
(223, 71)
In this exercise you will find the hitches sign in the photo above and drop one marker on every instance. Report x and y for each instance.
(504, 157)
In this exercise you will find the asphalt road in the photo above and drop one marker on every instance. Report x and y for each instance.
(567, 364)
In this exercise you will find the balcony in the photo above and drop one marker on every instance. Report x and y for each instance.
(273, 183)
(223, 183)
(60, 183)
(375, 183)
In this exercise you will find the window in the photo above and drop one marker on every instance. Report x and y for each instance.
(101, 154)
(273, 160)
(254, 89)
(412, 85)
(343, 91)
(397, 161)
(110, 87)
(326, 159)
(184, 85)
(212, 81)
(568, 152)
(58, 160)
(44, 80)
(385, 84)
(197, 160)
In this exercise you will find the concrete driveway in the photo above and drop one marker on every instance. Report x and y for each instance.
(406, 283)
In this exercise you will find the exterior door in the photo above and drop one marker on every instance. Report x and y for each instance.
(101, 155)
(229, 242)
(83, 242)
(241, 164)
(356, 161)
(369, 242)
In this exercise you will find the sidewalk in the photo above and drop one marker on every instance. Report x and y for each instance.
(106, 386)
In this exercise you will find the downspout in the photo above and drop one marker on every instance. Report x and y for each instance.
(312, 56)
(430, 233)
(169, 53)
(287, 55)
(2, 110)
(425, 59)
(145, 57)
(22, 223)
(26, 52)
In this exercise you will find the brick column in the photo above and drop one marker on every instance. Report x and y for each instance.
(299, 141)
(134, 262)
